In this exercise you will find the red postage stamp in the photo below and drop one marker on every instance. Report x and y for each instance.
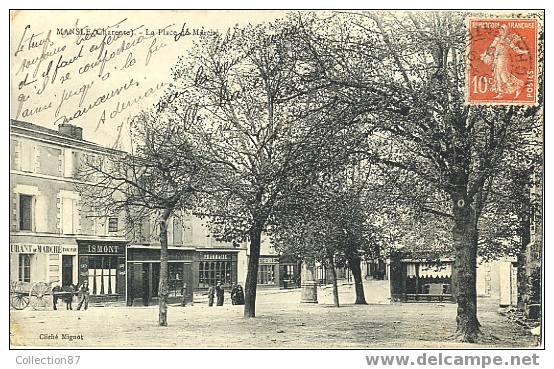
(502, 64)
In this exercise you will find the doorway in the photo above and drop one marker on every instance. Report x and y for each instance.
(67, 270)
(150, 282)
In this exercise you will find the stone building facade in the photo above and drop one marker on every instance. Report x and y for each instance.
(55, 238)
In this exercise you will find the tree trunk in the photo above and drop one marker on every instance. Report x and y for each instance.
(163, 289)
(331, 264)
(524, 216)
(522, 290)
(464, 235)
(354, 263)
(252, 275)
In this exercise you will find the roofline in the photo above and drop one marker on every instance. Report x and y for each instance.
(70, 140)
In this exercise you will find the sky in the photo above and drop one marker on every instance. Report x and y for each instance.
(97, 69)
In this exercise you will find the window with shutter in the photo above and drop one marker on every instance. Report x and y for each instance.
(70, 216)
(25, 212)
(41, 213)
(27, 156)
(68, 163)
(67, 216)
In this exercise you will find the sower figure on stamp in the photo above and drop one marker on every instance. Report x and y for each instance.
(84, 293)
(211, 294)
(219, 293)
(498, 55)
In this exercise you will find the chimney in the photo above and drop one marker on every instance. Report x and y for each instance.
(71, 130)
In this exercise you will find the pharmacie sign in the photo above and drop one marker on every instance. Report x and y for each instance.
(42, 249)
(215, 256)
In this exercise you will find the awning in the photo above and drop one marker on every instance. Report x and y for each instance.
(435, 270)
(429, 270)
(411, 270)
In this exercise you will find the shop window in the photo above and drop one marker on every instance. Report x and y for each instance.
(25, 212)
(287, 276)
(321, 274)
(266, 274)
(288, 272)
(211, 272)
(176, 277)
(102, 274)
(112, 224)
(25, 267)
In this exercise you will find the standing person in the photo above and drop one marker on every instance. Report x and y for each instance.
(84, 293)
(184, 295)
(219, 293)
(211, 293)
(234, 290)
(239, 296)
(285, 279)
(56, 289)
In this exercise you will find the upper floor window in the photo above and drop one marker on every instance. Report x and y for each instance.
(70, 221)
(72, 162)
(27, 156)
(29, 209)
(25, 212)
(112, 224)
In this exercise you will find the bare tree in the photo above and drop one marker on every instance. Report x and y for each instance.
(157, 179)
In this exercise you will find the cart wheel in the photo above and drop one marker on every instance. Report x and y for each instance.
(37, 295)
(18, 300)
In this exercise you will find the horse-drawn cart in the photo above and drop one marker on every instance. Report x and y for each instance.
(36, 294)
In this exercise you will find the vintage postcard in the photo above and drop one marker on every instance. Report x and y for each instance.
(276, 179)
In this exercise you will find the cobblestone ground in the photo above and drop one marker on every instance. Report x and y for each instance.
(281, 322)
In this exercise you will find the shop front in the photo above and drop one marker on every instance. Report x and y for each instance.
(143, 275)
(268, 271)
(43, 259)
(102, 264)
(324, 276)
(421, 280)
(211, 267)
(375, 269)
(289, 272)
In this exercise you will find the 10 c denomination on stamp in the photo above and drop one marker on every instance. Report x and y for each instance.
(502, 64)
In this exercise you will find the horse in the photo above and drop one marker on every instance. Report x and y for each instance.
(66, 294)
